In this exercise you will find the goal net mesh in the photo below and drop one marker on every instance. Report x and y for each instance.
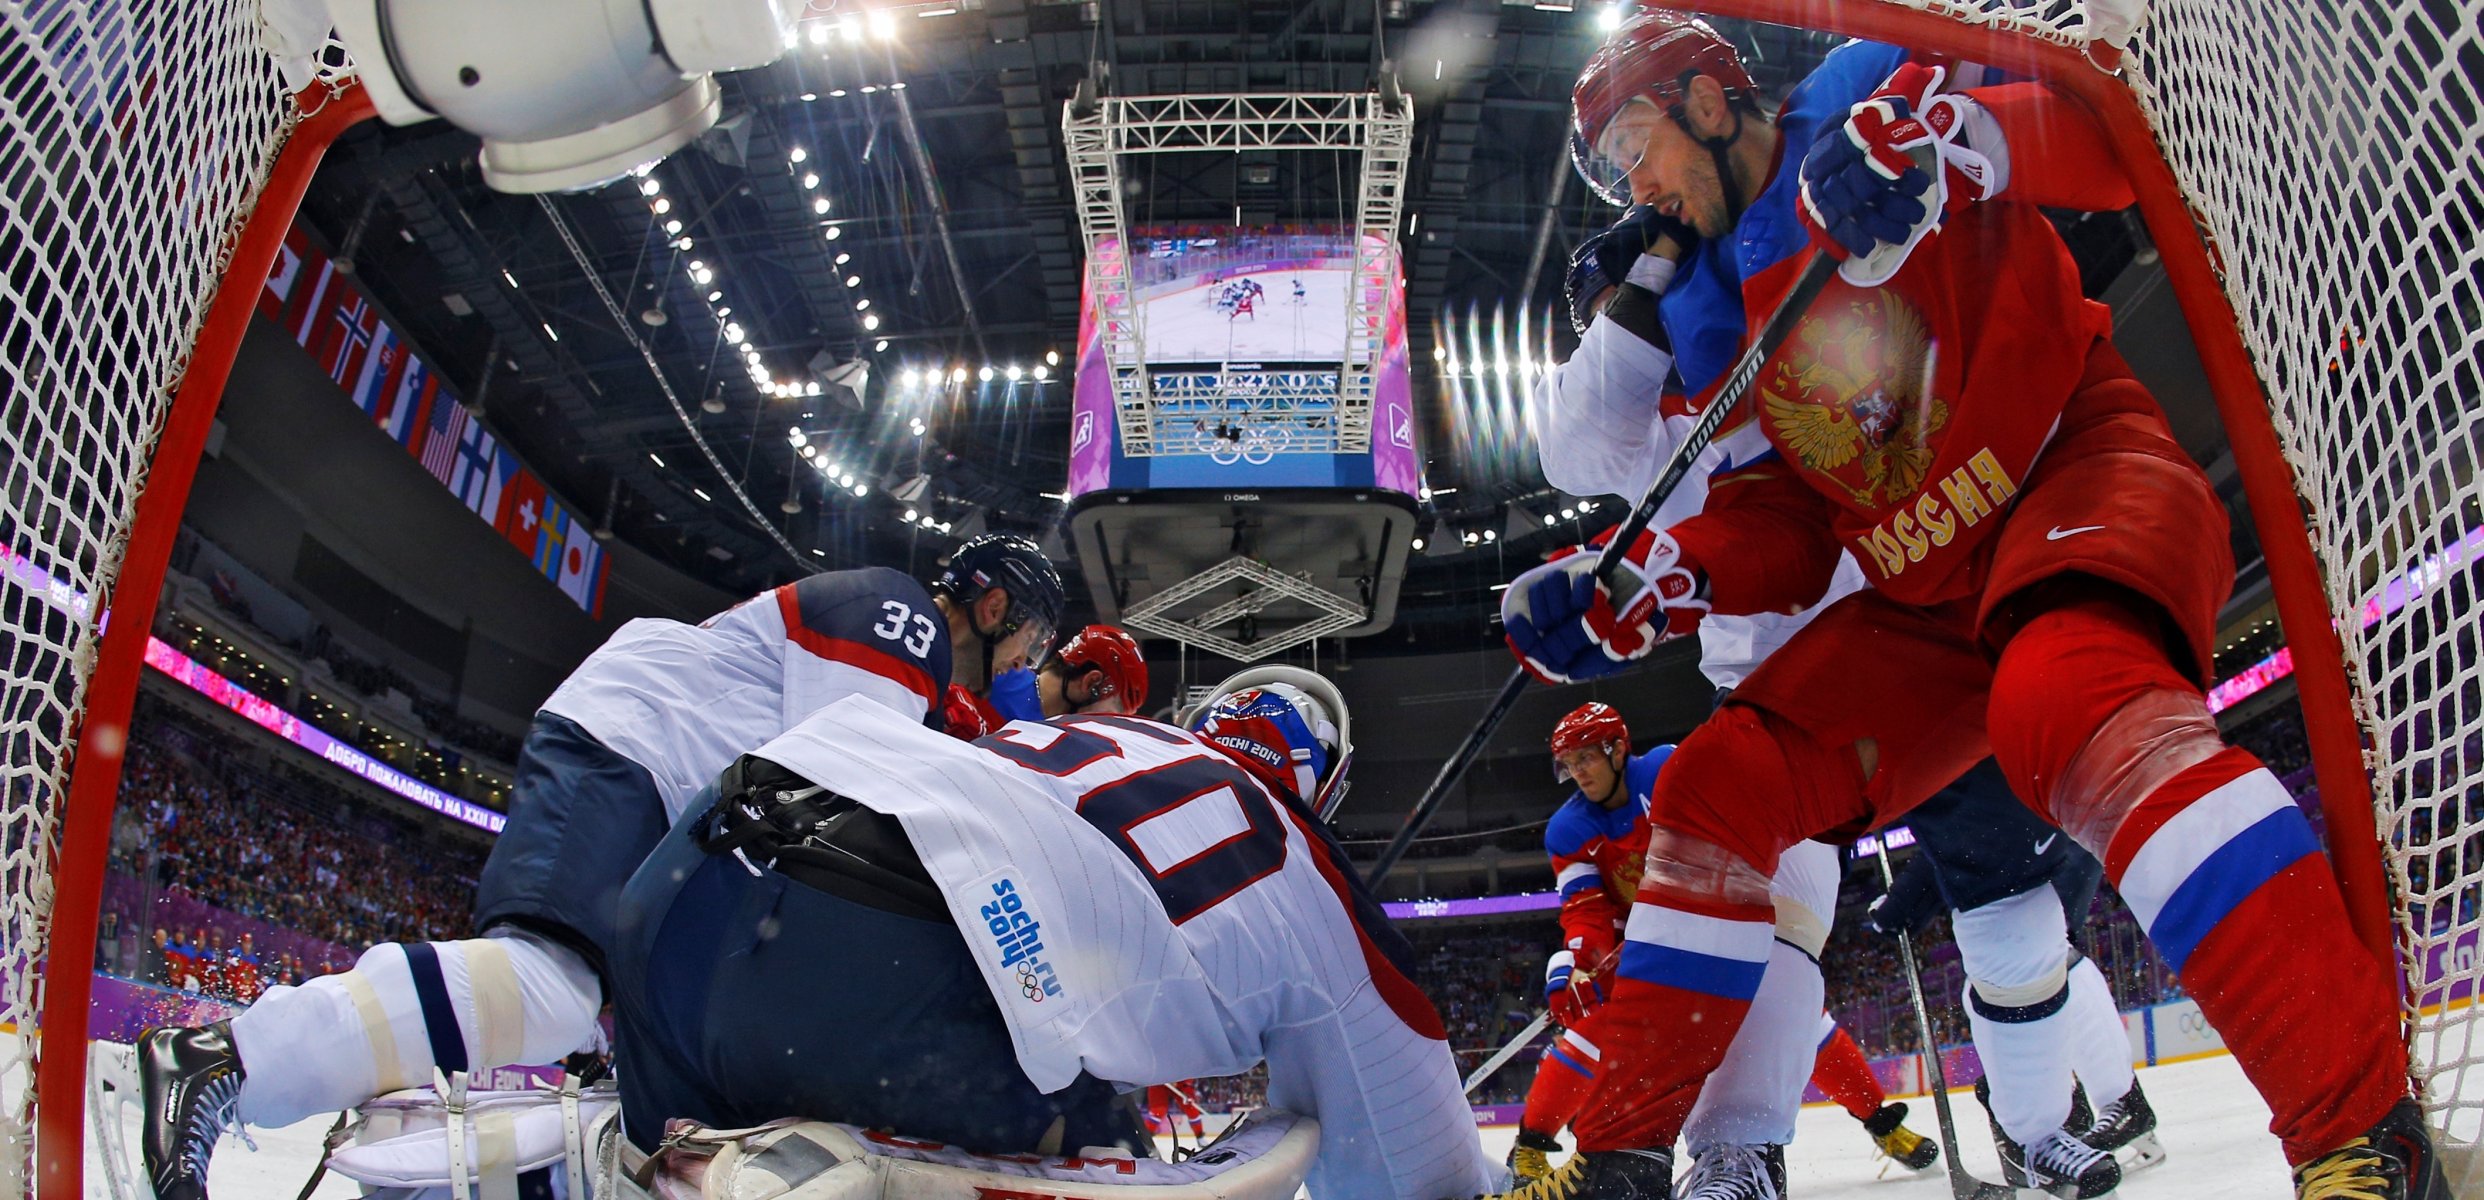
(2332, 153)
(134, 135)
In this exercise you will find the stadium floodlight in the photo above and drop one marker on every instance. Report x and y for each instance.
(566, 94)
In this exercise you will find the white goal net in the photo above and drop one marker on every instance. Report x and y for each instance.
(134, 137)
(2331, 153)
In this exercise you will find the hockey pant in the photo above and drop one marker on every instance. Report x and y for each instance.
(2103, 736)
(507, 999)
(2037, 1019)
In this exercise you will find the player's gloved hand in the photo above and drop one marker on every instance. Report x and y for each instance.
(1874, 187)
(1565, 625)
(1527, 1159)
(1877, 921)
(1604, 262)
(1014, 696)
(1570, 991)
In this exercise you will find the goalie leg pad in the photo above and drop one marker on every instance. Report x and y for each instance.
(405, 1011)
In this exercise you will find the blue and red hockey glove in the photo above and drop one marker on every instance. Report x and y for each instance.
(1565, 625)
(1876, 186)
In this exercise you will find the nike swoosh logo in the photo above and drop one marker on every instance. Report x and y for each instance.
(2047, 843)
(2056, 533)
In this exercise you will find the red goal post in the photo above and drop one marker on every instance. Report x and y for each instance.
(2313, 175)
(151, 161)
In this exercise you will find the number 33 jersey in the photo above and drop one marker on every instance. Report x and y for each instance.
(1146, 912)
(684, 700)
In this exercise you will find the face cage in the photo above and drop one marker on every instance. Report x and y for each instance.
(1333, 793)
(1604, 177)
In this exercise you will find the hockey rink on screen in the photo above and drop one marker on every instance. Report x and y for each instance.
(2213, 1126)
(1188, 327)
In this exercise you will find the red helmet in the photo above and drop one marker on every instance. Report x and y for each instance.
(1594, 723)
(1115, 653)
(1653, 54)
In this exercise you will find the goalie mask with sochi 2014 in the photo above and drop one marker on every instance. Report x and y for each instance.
(1285, 725)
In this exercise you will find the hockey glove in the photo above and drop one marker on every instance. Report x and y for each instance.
(1570, 991)
(1014, 696)
(1605, 261)
(1875, 187)
(1565, 625)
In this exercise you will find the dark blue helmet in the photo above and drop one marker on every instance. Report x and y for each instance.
(1015, 565)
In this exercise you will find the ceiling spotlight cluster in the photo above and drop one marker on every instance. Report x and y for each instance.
(927, 521)
(821, 206)
(1009, 373)
(705, 279)
(836, 474)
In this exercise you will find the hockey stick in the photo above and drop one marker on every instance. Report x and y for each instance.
(1501, 1057)
(1729, 396)
(1962, 1186)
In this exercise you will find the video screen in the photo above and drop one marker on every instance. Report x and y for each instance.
(1225, 295)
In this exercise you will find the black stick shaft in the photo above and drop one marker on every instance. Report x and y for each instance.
(1729, 396)
(1961, 1185)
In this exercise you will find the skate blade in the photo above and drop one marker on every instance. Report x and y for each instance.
(2141, 1153)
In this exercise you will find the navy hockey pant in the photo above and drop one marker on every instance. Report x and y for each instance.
(741, 996)
(582, 819)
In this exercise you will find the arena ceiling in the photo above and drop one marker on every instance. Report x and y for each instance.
(926, 136)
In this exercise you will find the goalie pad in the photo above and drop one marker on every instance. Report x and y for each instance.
(448, 1143)
(1262, 1158)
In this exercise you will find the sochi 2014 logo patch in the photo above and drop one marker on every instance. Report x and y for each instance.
(1020, 939)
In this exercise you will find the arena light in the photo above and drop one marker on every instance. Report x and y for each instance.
(985, 374)
(883, 26)
(810, 179)
(1013, 373)
(958, 375)
(852, 280)
(835, 232)
(1042, 373)
(870, 321)
(912, 377)
(649, 186)
(1052, 358)
(820, 206)
(878, 346)
(819, 33)
(662, 207)
(672, 227)
(1609, 18)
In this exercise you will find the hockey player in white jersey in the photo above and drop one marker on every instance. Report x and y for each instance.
(614, 757)
(989, 943)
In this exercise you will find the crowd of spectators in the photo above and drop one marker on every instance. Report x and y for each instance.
(199, 820)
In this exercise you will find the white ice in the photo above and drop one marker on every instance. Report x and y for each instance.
(2214, 1127)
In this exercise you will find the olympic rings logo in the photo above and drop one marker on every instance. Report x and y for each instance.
(1030, 984)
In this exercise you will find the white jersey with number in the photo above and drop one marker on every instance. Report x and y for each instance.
(1601, 428)
(684, 700)
(1145, 912)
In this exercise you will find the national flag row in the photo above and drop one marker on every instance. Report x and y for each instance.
(321, 310)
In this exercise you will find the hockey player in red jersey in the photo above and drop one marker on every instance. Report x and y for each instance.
(2046, 566)
(1098, 671)
(1598, 841)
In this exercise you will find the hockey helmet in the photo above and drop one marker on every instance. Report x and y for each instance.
(1594, 723)
(1108, 649)
(1652, 56)
(1016, 565)
(1287, 727)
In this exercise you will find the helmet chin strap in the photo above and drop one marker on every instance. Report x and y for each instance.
(1718, 148)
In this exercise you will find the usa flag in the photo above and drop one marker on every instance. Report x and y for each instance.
(440, 442)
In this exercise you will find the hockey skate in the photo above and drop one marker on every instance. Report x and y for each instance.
(192, 1080)
(2058, 1162)
(1604, 1175)
(1898, 1143)
(1527, 1161)
(2127, 1124)
(2392, 1161)
(1726, 1171)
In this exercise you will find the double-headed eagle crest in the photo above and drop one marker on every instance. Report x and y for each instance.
(1850, 397)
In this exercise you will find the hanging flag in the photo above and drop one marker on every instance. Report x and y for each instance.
(286, 273)
(409, 401)
(582, 570)
(370, 388)
(448, 423)
(551, 532)
(521, 510)
(476, 478)
(347, 336)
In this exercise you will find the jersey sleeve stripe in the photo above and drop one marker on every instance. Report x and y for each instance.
(870, 658)
(1578, 877)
